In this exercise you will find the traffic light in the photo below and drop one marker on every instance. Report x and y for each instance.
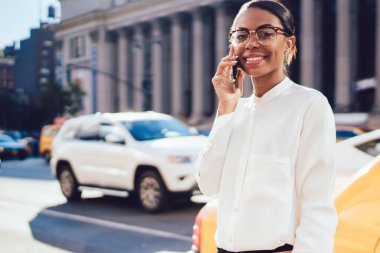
(68, 73)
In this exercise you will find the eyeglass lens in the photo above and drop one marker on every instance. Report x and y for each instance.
(264, 36)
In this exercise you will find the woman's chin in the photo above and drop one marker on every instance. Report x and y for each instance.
(255, 72)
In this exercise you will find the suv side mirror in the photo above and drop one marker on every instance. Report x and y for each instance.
(115, 139)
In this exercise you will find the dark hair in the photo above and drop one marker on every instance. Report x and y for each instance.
(281, 12)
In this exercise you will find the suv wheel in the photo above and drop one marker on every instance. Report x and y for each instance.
(152, 192)
(69, 185)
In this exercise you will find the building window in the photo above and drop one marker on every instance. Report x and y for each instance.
(43, 80)
(44, 71)
(48, 43)
(77, 47)
(44, 53)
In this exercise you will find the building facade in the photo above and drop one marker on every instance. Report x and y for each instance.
(161, 54)
(7, 74)
(7, 66)
(35, 62)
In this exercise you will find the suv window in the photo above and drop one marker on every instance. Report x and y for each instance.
(371, 147)
(106, 128)
(88, 132)
(143, 130)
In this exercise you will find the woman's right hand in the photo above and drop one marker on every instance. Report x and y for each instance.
(227, 94)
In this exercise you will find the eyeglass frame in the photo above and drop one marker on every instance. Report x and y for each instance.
(275, 28)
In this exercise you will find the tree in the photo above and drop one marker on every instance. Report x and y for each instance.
(7, 109)
(73, 97)
(23, 112)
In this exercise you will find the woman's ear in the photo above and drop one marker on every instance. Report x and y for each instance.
(290, 50)
(290, 42)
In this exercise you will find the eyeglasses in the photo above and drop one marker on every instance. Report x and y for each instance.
(264, 35)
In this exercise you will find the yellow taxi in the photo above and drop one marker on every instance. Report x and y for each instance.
(47, 135)
(357, 200)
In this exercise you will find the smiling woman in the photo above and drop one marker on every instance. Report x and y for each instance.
(269, 157)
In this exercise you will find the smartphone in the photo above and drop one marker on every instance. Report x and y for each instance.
(234, 75)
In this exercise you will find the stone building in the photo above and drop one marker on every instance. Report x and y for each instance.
(161, 54)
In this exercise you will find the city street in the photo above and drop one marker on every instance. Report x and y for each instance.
(35, 217)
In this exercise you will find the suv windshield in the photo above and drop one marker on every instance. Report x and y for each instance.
(144, 130)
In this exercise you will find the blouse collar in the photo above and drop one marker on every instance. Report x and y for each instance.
(275, 91)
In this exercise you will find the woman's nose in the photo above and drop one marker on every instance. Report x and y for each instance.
(252, 41)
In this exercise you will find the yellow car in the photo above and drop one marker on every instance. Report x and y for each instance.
(357, 200)
(47, 135)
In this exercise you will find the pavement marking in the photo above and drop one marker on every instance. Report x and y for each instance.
(105, 223)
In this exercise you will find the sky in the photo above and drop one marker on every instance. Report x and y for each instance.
(17, 17)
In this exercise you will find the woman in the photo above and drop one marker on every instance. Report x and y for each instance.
(270, 156)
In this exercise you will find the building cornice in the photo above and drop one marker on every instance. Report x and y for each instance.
(91, 19)
(145, 11)
(128, 15)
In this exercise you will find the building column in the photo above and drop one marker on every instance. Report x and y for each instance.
(138, 68)
(157, 65)
(105, 91)
(344, 56)
(222, 25)
(223, 22)
(198, 89)
(377, 57)
(309, 47)
(176, 72)
(59, 78)
(65, 59)
(122, 44)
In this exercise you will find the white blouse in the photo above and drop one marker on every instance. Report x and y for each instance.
(271, 164)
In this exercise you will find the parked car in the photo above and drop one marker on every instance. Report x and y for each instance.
(47, 136)
(357, 201)
(11, 148)
(148, 154)
(18, 136)
(353, 153)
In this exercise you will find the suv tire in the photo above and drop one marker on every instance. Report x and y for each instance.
(68, 183)
(152, 193)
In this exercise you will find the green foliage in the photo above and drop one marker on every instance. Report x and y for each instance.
(19, 111)
(8, 106)
(72, 99)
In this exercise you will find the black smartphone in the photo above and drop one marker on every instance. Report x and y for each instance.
(234, 75)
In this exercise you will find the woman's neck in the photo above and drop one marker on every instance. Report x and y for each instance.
(263, 84)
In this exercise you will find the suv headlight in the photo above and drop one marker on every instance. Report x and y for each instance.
(178, 159)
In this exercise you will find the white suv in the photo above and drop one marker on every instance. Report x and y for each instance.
(147, 153)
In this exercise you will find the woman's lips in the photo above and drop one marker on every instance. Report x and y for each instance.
(253, 60)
